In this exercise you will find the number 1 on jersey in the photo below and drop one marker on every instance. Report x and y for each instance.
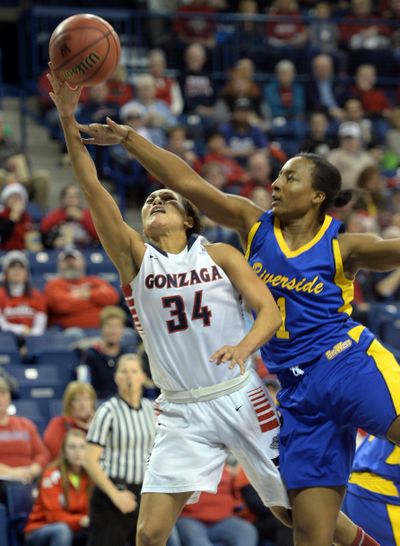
(179, 321)
(282, 333)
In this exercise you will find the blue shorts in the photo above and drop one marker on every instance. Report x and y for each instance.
(381, 520)
(322, 406)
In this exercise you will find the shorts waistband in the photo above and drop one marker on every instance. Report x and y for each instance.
(202, 394)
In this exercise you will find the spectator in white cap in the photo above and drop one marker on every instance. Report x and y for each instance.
(15, 221)
(134, 115)
(350, 158)
(75, 300)
(22, 307)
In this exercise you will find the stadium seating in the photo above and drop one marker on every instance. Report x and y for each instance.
(34, 408)
(41, 382)
(9, 349)
(55, 407)
(52, 348)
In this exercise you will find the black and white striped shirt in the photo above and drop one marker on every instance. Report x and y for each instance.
(127, 435)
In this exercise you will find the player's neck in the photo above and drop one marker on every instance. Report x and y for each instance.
(300, 231)
(171, 244)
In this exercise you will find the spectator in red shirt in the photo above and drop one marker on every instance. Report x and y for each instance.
(212, 519)
(15, 222)
(61, 511)
(22, 308)
(259, 170)
(217, 152)
(200, 27)
(79, 405)
(70, 224)
(365, 35)
(374, 101)
(22, 452)
(74, 299)
(119, 90)
(286, 32)
(167, 89)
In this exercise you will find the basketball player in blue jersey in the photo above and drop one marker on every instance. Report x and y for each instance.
(373, 495)
(335, 375)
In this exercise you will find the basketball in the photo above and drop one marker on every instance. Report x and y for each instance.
(84, 50)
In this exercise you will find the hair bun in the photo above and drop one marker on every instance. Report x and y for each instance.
(342, 198)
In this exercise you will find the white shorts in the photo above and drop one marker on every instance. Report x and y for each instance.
(193, 439)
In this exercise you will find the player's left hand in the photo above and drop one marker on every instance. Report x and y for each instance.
(104, 134)
(234, 354)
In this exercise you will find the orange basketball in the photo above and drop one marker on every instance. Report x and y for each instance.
(84, 50)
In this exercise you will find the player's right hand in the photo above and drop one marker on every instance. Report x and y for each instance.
(125, 501)
(65, 98)
(234, 354)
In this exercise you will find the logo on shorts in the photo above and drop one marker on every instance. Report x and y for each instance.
(338, 348)
(275, 442)
(296, 371)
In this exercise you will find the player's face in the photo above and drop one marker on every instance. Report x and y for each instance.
(292, 192)
(162, 209)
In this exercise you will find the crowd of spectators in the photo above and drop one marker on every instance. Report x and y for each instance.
(322, 79)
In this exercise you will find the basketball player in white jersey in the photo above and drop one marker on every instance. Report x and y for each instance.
(184, 296)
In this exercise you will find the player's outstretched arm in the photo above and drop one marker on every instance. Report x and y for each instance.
(119, 240)
(257, 296)
(368, 251)
(231, 211)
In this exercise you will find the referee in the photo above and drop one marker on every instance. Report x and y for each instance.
(119, 440)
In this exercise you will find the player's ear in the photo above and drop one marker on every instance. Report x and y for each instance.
(189, 222)
(319, 197)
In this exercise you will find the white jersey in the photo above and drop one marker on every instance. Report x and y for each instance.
(185, 308)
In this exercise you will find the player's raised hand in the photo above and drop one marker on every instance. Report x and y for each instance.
(65, 98)
(234, 354)
(104, 134)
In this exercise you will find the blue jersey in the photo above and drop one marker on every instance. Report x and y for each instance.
(310, 289)
(376, 471)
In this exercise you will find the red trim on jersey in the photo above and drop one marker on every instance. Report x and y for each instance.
(127, 292)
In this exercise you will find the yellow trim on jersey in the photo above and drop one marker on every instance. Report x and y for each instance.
(394, 456)
(345, 285)
(374, 483)
(355, 333)
(394, 518)
(250, 238)
(390, 370)
(293, 253)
